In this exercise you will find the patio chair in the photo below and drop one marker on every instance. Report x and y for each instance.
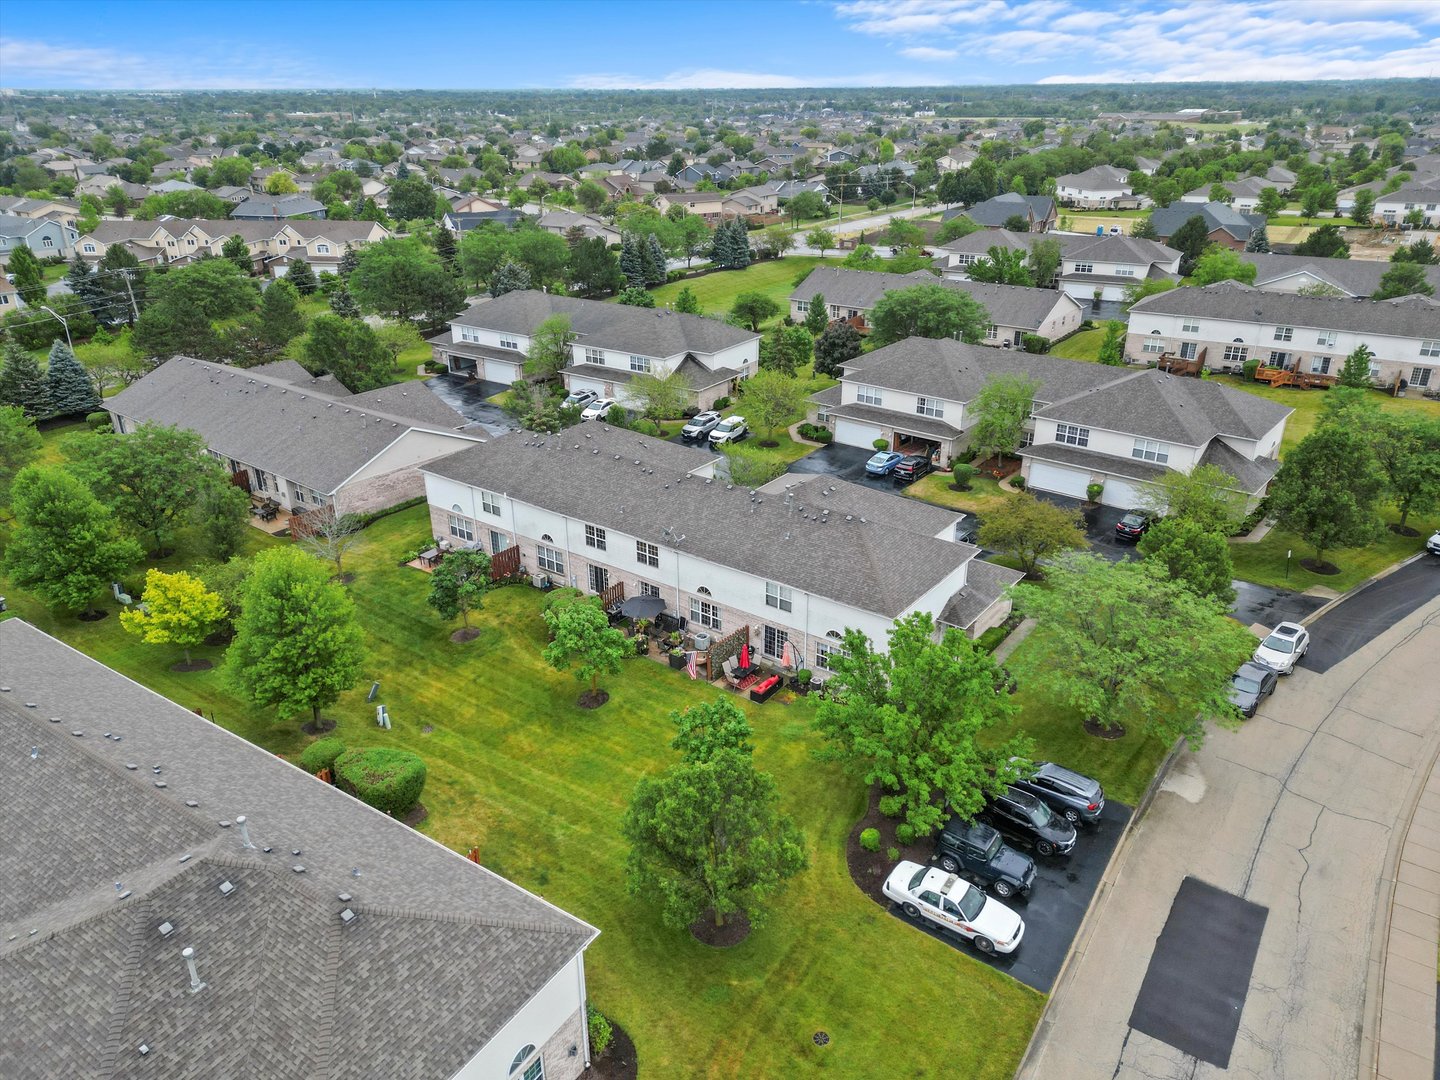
(729, 669)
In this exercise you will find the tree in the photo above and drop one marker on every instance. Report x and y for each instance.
(912, 719)
(817, 315)
(238, 251)
(301, 277)
(708, 838)
(280, 318)
(806, 205)
(1144, 228)
(459, 584)
(653, 260)
(693, 237)
(1326, 242)
(1403, 279)
(777, 240)
(955, 229)
(1259, 240)
(1192, 555)
(1421, 251)
(69, 388)
(221, 514)
(1326, 491)
(753, 308)
(20, 444)
(550, 348)
(348, 349)
(297, 644)
(901, 233)
(1105, 646)
(177, 609)
(412, 199)
(772, 399)
(403, 279)
(22, 383)
(711, 728)
(1030, 530)
(659, 397)
(280, 183)
(1221, 264)
(1190, 239)
(1407, 449)
(1000, 266)
(1356, 371)
(751, 467)
(582, 637)
(1001, 411)
(84, 285)
(1112, 345)
(786, 349)
(837, 345)
(65, 546)
(731, 245)
(29, 276)
(1205, 496)
(330, 535)
(1319, 288)
(1364, 206)
(635, 296)
(1270, 202)
(632, 261)
(1044, 262)
(593, 268)
(930, 311)
(509, 277)
(821, 239)
(343, 304)
(1016, 223)
(591, 195)
(686, 302)
(1139, 290)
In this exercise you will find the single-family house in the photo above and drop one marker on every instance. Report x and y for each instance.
(35, 209)
(1224, 225)
(957, 159)
(561, 222)
(147, 908)
(1351, 277)
(1244, 193)
(276, 207)
(1036, 210)
(1107, 264)
(44, 236)
(1421, 196)
(461, 223)
(1101, 187)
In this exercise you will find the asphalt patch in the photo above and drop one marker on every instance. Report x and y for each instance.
(1199, 973)
(1058, 899)
(1370, 612)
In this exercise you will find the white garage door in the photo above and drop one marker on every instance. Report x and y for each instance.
(595, 386)
(854, 433)
(1062, 481)
(501, 371)
(1121, 493)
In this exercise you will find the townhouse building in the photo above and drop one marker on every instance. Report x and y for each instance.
(44, 236)
(1352, 277)
(1101, 187)
(1422, 196)
(1244, 193)
(273, 245)
(1106, 265)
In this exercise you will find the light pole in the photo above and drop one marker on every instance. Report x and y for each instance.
(63, 323)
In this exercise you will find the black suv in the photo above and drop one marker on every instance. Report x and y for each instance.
(1023, 819)
(1076, 797)
(911, 468)
(975, 851)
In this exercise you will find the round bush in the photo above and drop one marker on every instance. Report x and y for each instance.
(389, 780)
(1018, 483)
(98, 421)
(601, 1031)
(870, 839)
(905, 833)
(881, 444)
(321, 754)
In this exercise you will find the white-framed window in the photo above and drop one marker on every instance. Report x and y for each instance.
(530, 1061)
(509, 343)
(322, 249)
(774, 641)
(868, 395)
(550, 560)
(89, 249)
(1320, 365)
(460, 528)
(834, 311)
(1279, 359)
(47, 241)
(595, 537)
(1189, 326)
(1189, 349)
(822, 414)
(1072, 435)
(1152, 346)
(1284, 333)
(1420, 376)
(992, 332)
(1150, 450)
(802, 305)
(639, 363)
(1236, 354)
(468, 333)
(189, 241)
(595, 356)
(646, 589)
(490, 502)
(704, 613)
(1430, 348)
(283, 242)
(823, 653)
(647, 554)
(261, 480)
(778, 596)
(1326, 339)
(929, 406)
(1084, 268)
(1124, 271)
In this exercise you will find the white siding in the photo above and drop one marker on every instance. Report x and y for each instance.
(537, 1020)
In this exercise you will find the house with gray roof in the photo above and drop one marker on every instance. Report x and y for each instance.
(1037, 210)
(1418, 197)
(798, 561)
(1106, 265)
(1224, 225)
(180, 903)
(299, 441)
(1351, 277)
(1244, 193)
(1100, 187)
(612, 344)
(275, 207)
(44, 236)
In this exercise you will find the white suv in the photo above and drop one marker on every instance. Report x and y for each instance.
(1282, 650)
(730, 430)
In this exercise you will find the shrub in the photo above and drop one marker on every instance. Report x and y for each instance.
(1035, 343)
(601, 1031)
(559, 598)
(321, 755)
(721, 404)
(963, 474)
(646, 427)
(1018, 483)
(990, 640)
(905, 833)
(98, 421)
(870, 839)
(881, 444)
(1094, 491)
(434, 367)
(815, 432)
(803, 676)
(390, 780)
(893, 854)
(1251, 366)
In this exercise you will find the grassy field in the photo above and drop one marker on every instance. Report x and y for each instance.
(1083, 345)
(717, 291)
(1308, 403)
(984, 496)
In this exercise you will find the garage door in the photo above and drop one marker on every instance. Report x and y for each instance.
(1121, 493)
(1062, 481)
(854, 433)
(595, 386)
(501, 371)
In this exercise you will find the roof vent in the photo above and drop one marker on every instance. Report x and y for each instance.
(166, 929)
(226, 888)
(143, 1049)
(195, 984)
(347, 916)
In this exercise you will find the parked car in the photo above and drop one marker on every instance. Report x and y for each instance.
(730, 430)
(976, 851)
(967, 530)
(883, 463)
(1250, 685)
(1282, 650)
(578, 399)
(1134, 525)
(911, 467)
(1433, 544)
(1023, 819)
(953, 904)
(598, 409)
(700, 425)
(1075, 797)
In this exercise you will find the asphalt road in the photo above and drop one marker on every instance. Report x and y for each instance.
(1370, 612)
(467, 397)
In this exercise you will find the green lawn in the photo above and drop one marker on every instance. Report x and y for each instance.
(717, 291)
(1082, 345)
(540, 785)
(788, 448)
(984, 496)
(1308, 403)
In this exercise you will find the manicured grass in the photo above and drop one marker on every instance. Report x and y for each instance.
(1082, 345)
(1263, 562)
(1308, 403)
(717, 291)
(788, 448)
(984, 496)
(540, 786)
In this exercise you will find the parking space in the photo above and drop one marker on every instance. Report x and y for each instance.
(1100, 524)
(844, 463)
(468, 398)
(1058, 900)
(1371, 611)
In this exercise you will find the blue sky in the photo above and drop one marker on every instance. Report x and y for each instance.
(671, 44)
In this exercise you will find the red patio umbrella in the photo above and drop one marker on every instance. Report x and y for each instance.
(745, 655)
(787, 656)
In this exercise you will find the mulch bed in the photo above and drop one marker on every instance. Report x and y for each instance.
(1100, 731)
(313, 727)
(192, 665)
(468, 633)
(415, 815)
(998, 468)
(343, 579)
(735, 930)
(1326, 568)
(593, 699)
(1403, 530)
(868, 869)
(92, 616)
(619, 1061)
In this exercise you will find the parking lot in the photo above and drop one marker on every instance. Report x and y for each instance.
(1058, 900)
(845, 463)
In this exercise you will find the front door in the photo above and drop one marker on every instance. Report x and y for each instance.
(599, 579)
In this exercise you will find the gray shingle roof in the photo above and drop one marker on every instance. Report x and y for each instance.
(985, 583)
(1168, 219)
(1008, 305)
(1064, 454)
(996, 211)
(1405, 316)
(443, 953)
(1097, 178)
(852, 562)
(645, 331)
(1358, 277)
(267, 421)
(1119, 249)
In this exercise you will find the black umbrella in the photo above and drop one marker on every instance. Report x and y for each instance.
(642, 607)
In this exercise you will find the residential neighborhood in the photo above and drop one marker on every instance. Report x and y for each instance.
(542, 564)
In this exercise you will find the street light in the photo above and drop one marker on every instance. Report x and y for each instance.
(63, 323)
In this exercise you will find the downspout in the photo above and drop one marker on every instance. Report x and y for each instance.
(584, 1007)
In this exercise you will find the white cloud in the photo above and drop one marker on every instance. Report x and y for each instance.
(925, 52)
(43, 63)
(896, 18)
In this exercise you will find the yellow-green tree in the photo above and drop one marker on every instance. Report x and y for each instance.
(177, 610)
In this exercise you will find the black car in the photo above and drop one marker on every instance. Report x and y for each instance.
(1250, 685)
(911, 468)
(1134, 525)
(1075, 797)
(976, 851)
(967, 530)
(1023, 819)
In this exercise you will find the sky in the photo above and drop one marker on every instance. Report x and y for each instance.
(677, 45)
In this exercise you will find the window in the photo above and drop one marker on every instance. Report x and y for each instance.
(646, 589)
(704, 613)
(595, 537)
(550, 560)
(595, 356)
(468, 333)
(1189, 327)
(283, 242)
(509, 343)
(1320, 365)
(778, 596)
(775, 641)
(490, 502)
(534, 1070)
(1279, 359)
(1326, 339)
(824, 651)
(190, 241)
(929, 407)
(992, 331)
(460, 528)
(647, 554)
(1153, 347)
(1124, 271)
(1430, 348)
(1284, 333)
(1150, 450)
(46, 241)
(1188, 350)
(868, 395)
(89, 249)
(822, 415)
(834, 311)
(1420, 376)
(322, 249)
(802, 305)
(639, 363)
(1236, 354)
(261, 480)
(1084, 268)
(498, 542)
(1072, 435)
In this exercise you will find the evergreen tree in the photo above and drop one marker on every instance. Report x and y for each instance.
(1356, 372)
(839, 343)
(302, 278)
(686, 303)
(446, 248)
(655, 272)
(1259, 241)
(402, 171)
(22, 383)
(511, 277)
(722, 251)
(71, 391)
(348, 262)
(237, 251)
(817, 315)
(740, 238)
(343, 304)
(28, 275)
(85, 286)
(631, 261)
(280, 318)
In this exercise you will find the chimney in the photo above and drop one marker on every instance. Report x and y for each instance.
(195, 984)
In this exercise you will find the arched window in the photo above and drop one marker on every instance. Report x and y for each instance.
(534, 1069)
(547, 538)
(835, 634)
(702, 591)
(457, 509)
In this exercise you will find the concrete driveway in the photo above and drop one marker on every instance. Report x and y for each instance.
(467, 397)
(843, 463)
(1295, 812)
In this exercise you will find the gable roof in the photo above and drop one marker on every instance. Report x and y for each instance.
(996, 211)
(1358, 277)
(1008, 305)
(86, 975)
(1404, 316)
(1120, 249)
(1217, 215)
(1097, 178)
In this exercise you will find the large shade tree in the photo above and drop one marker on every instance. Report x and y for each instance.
(930, 311)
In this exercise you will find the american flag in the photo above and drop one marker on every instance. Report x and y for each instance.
(690, 665)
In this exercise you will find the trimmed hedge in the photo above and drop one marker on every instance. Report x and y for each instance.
(321, 754)
(389, 780)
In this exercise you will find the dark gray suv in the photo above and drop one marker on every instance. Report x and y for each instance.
(1074, 796)
(976, 852)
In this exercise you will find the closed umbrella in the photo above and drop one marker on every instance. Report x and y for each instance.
(745, 655)
(642, 607)
(787, 656)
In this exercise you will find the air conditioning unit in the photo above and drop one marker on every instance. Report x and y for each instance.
(540, 581)
(702, 642)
